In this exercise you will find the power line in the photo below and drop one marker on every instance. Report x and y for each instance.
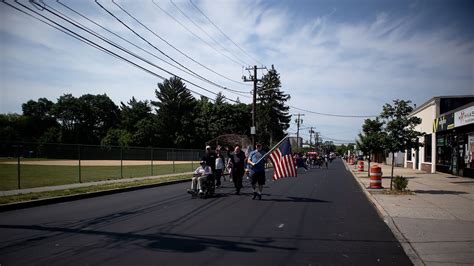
(341, 140)
(118, 36)
(204, 41)
(102, 37)
(78, 37)
(242, 63)
(333, 115)
(141, 37)
(174, 47)
(92, 43)
(223, 33)
(45, 7)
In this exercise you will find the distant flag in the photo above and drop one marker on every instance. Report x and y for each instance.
(282, 160)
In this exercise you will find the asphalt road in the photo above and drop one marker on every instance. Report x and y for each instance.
(321, 217)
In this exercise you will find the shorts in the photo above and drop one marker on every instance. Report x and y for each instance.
(258, 177)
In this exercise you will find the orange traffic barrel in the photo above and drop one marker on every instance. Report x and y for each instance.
(360, 166)
(375, 177)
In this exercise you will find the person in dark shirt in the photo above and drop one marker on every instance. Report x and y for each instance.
(237, 160)
(210, 158)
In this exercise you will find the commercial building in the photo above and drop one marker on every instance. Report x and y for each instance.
(448, 124)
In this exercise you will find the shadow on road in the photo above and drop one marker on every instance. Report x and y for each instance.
(162, 241)
(296, 199)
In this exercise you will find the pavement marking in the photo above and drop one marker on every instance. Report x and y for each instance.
(281, 225)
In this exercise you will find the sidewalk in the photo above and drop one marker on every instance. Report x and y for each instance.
(434, 224)
(87, 184)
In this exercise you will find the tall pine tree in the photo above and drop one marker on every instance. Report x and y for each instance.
(273, 116)
(175, 119)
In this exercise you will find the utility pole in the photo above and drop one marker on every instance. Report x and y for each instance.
(253, 129)
(316, 140)
(298, 122)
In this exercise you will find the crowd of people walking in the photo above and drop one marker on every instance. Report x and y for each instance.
(238, 164)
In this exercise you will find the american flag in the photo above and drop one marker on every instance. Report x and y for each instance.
(283, 163)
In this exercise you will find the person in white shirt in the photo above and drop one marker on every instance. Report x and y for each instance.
(200, 176)
(219, 167)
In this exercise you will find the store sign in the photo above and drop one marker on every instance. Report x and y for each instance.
(443, 122)
(464, 117)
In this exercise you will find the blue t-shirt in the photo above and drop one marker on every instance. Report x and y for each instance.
(254, 156)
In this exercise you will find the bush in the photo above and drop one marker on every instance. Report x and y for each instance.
(400, 183)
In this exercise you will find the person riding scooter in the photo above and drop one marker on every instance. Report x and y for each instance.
(200, 175)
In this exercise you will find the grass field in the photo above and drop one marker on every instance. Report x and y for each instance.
(88, 189)
(37, 175)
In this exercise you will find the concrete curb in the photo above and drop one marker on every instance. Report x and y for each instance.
(406, 245)
(47, 201)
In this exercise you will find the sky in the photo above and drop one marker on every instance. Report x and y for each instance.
(342, 57)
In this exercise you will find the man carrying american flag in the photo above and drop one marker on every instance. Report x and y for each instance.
(282, 159)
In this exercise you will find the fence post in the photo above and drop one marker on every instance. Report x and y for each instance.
(174, 157)
(19, 182)
(121, 162)
(79, 157)
(151, 158)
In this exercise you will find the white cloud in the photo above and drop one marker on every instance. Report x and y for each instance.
(328, 65)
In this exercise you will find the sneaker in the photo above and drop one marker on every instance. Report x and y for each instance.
(254, 195)
(201, 192)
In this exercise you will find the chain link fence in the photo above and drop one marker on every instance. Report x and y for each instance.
(28, 164)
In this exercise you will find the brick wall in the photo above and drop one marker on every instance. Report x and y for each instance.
(426, 167)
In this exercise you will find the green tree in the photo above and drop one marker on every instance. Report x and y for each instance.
(400, 129)
(116, 137)
(146, 133)
(174, 107)
(372, 138)
(137, 119)
(341, 149)
(328, 147)
(39, 119)
(40, 109)
(86, 119)
(98, 114)
(66, 110)
(204, 112)
(133, 112)
(12, 127)
(273, 116)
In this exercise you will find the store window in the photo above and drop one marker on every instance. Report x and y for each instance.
(470, 151)
(427, 148)
(443, 151)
